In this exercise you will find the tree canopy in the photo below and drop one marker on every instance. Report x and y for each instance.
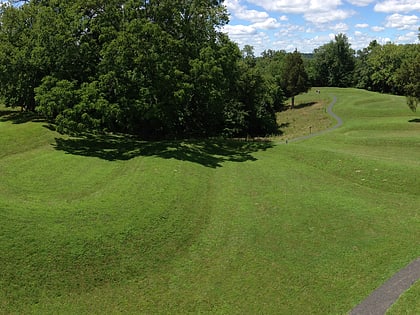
(153, 68)
(333, 63)
(295, 79)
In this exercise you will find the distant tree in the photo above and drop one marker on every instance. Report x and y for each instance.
(363, 71)
(248, 52)
(409, 77)
(294, 78)
(334, 63)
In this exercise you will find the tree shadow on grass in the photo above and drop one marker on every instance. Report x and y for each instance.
(210, 152)
(415, 120)
(19, 117)
(303, 105)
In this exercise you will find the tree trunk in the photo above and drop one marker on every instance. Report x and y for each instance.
(293, 102)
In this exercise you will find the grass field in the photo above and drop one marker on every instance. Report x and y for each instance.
(115, 225)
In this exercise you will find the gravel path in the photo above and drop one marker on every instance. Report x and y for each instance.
(332, 114)
(383, 297)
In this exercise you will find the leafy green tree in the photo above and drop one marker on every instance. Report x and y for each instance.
(294, 77)
(409, 77)
(19, 72)
(270, 65)
(334, 63)
(153, 68)
(384, 62)
(363, 70)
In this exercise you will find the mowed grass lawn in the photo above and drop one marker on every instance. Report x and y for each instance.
(116, 225)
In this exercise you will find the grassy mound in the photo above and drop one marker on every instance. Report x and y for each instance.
(113, 224)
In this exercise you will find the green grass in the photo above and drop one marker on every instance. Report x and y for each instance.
(308, 116)
(117, 225)
(408, 303)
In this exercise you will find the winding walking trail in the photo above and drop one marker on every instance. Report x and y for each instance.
(332, 114)
(381, 299)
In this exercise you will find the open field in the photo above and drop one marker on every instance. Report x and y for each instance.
(116, 225)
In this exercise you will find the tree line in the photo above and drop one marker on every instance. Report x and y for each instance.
(164, 68)
(388, 68)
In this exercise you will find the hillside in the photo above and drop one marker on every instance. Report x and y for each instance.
(111, 224)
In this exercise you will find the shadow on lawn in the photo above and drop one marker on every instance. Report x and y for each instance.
(303, 105)
(209, 153)
(19, 117)
(415, 120)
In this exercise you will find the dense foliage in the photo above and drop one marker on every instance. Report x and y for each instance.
(153, 68)
(333, 63)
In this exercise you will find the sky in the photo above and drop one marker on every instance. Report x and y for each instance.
(308, 24)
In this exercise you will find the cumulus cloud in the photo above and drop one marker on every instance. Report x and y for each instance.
(328, 16)
(239, 30)
(268, 24)
(340, 28)
(377, 28)
(402, 22)
(297, 6)
(290, 30)
(360, 3)
(391, 6)
(241, 12)
(409, 37)
(363, 25)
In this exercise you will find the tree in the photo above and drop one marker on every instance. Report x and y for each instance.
(363, 70)
(409, 77)
(294, 77)
(334, 63)
(270, 65)
(153, 68)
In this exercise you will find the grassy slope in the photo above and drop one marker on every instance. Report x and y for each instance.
(308, 116)
(310, 227)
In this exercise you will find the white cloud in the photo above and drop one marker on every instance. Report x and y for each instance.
(241, 12)
(290, 30)
(340, 28)
(302, 44)
(377, 28)
(284, 18)
(328, 16)
(297, 6)
(360, 3)
(268, 24)
(363, 25)
(358, 33)
(390, 6)
(402, 22)
(239, 30)
(410, 37)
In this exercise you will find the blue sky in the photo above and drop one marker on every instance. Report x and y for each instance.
(308, 24)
